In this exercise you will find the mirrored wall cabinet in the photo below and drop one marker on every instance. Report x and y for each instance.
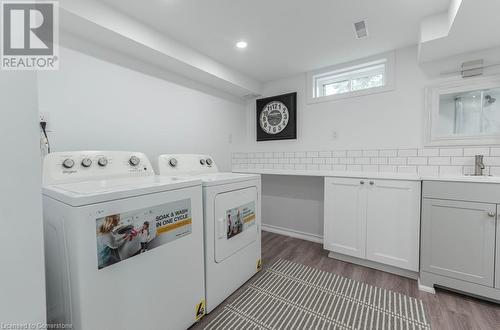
(465, 112)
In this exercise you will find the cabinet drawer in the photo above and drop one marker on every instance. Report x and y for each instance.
(463, 191)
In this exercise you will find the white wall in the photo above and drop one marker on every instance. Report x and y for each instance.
(94, 104)
(391, 119)
(386, 120)
(22, 280)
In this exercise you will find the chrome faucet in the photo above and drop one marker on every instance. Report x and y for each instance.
(479, 165)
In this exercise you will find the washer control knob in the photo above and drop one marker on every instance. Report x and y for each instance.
(202, 161)
(68, 163)
(134, 160)
(172, 162)
(103, 161)
(209, 161)
(86, 162)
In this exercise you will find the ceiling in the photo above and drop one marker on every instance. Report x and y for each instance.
(285, 37)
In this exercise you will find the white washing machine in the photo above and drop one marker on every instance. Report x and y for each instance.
(123, 247)
(232, 219)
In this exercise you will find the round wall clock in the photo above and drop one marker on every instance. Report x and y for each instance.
(276, 117)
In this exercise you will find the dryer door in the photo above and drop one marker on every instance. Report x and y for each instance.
(235, 221)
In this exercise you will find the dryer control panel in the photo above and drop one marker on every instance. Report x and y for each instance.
(72, 166)
(186, 164)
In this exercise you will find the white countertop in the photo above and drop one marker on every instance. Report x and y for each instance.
(376, 175)
(342, 174)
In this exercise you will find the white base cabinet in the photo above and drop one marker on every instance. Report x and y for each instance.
(373, 219)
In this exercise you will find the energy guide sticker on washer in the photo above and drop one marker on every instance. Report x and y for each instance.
(125, 235)
(240, 218)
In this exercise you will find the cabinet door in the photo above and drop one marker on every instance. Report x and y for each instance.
(393, 223)
(345, 216)
(497, 261)
(458, 240)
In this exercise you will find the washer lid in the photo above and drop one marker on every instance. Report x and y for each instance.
(214, 179)
(98, 191)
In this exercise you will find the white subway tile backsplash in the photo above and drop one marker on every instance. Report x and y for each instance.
(370, 153)
(397, 161)
(428, 152)
(407, 169)
(312, 154)
(407, 152)
(494, 151)
(332, 160)
(278, 155)
(354, 168)
(325, 154)
(439, 160)
(450, 170)
(472, 151)
(379, 160)
(362, 161)
(425, 161)
(462, 161)
(370, 168)
(451, 152)
(339, 153)
(417, 160)
(388, 153)
(491, 161)
(300, 154)
(495, 170)
(388, 168)
(428, 170)
(338, 167)
(325, 167)
(312, 167)
(346, 161)
(355, 153)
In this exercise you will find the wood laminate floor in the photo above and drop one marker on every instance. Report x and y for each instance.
(447, 310)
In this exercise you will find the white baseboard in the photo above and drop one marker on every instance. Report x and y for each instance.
(293, 233)
(425, 288)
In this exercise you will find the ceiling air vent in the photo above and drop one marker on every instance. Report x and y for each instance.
(360, 28)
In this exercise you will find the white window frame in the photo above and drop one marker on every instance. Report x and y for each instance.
(323, 76)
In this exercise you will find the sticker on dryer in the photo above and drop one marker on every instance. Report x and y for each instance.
(199, 310)
(259, 265)
(240, 218)
(125, 235)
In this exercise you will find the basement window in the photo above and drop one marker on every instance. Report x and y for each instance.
(357, 78)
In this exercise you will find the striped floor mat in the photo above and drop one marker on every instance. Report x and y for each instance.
(293, 296)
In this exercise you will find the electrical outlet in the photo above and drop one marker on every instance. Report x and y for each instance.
(230, 138)
(334, 135)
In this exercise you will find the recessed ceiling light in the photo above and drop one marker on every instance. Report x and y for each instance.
(241, 44)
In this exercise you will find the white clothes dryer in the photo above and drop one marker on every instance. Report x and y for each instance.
(232, 222)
